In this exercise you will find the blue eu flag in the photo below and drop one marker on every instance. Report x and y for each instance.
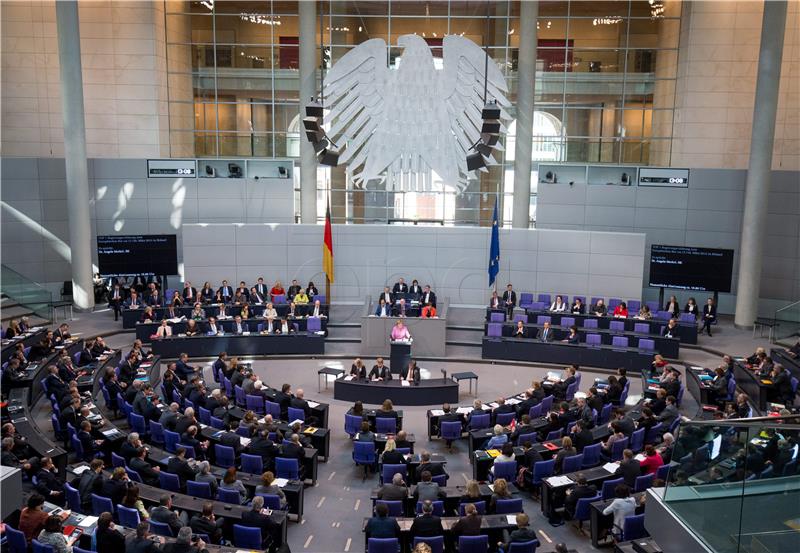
(494, 248)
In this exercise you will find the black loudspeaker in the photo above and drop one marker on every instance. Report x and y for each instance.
(314, 109)
(475, 161)
(490, 127)
(234, 171)
(490, 111)
(283, 172)
(330, 156)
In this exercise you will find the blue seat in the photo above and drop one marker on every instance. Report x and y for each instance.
(506, 506)
(246, 537)
(395, 507)
(522, 547)
(204, 415)
(255, 404)
(224, 456)
(287, 468)
(352, 424)
(171, 440)
(16, 540)
(522, 438)
(504, 419)
(228, 496)
(541, 470)
(476, 422)
(480, 506)
(608, 487)
(133, 475)
(73, 498)
(535, 412)
(554, 435)
(101, 505)
(572, 463)
(190, 452)
(385, 425)
(219, 424)
(272, 501)
(507, 471)
(156, 433)
(169, 482)
(436, 543)
(57, 430)
(243, 431)
(618, 447)
(450, 431)
(388, 472)
(128, 517)
(117, 461)
(440, 479)
(473, 544)
(547, 403)
(583, 510)
(383, 545)
(364, 455)
(273, 409)
(438, 508)
(39, 547)
(239, 396)
(605, 413)
(198, 489)
(643, 482)
(138, 424)
(663, 472)
(591, 455)
(253, 464)
(161, 529)
(633, 528)
(637, 440)
(653, 435)
(296, 414)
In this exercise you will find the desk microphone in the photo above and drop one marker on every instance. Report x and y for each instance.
(444, 374)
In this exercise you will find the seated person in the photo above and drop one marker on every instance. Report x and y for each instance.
(382, 525)
(383, 309)
(498, 439)
(621, 311)
(427, 524)
(520, 535)
(380, 371)
(520, 331)
(577, 307)
(581, 490)
(428, 312)
(599, 309)
(644, 313)
(671, 330)
(572, 337)
(558, 306)
(259, 517)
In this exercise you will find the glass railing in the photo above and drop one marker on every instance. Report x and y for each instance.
(735, 483)
(788, 319)
(26, 292)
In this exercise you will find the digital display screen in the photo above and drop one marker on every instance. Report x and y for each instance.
(689, 268)
(141, 254)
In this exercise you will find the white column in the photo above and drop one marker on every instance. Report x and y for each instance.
(80, 233)
(759, 169)
(526, 74)
(308, 89)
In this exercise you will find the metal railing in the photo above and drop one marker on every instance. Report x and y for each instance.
(26, 292)
(788, 320)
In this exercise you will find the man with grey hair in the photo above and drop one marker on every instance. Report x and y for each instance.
(169, 418)
(130, 447)
(186, 421)
(258, 517)
(183, 543)
(163, 513)
(427, 525)
(394, 491)
(141, 542)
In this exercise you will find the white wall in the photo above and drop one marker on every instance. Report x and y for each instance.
(452, 260)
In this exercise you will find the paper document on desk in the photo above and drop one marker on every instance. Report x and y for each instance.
(281, 482)
(80, 470)
(512, 401)
(640, 457)
(405, 383)
(437, 412)
(296, 421)
(511, 519)
(313, 404)
(350, 377)
(244, 441)
(611, 467)
(463, 410)
(558, 481)
(88, 521)
(697, 368)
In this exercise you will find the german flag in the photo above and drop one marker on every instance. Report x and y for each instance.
(327, 247)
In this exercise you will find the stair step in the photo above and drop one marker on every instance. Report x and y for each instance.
(15, 312)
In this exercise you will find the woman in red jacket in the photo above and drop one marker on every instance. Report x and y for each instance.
(652, 460)
(621, 311)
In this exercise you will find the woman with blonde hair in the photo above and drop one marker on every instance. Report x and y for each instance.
(472, 493)
(268, 487)
(500, 492)
(390, 454)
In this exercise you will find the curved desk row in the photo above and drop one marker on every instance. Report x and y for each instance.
(427, 392)
(28, 339)
(132, 316)
(605, 357)
(252, 344)
(145, 330)
(668, 347)
(687, 332)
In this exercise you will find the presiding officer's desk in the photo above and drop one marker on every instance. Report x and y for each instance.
(687, 332)
(145, 331)
(748, 380)
(668, 347)
(531, 350)
(130, 317)
(251, 344)
(28, 339)
(428, 334)
(434, 390)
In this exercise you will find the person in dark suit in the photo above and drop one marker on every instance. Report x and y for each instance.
(144, 404)
(284, 399)
(425, 464)
(629, 468)
(189, 293)
(141, 542)
(148, 474)
(546, 334)
(581, 436)
(386, 296)
(358, 370)
(88, 443)
(230, 439)
(48, 483)
(578, 308)
(116, 486)
(294, 450)
(116, 299)
(495, 302)
(109, 539)
(190, 438)
(257, 517)
(206, 523)
(239, 327)
(415, 290)
(380, 371)
(427, 524)
(428, 296)
(400, 287)
(390, 454)
(510, 300)
(520, 331)
(572, 336)
(709, 316)
(178, 464)
(163, 513)
(671, 330)
(524, 427)
(382, 525)
(520, 535)
(412, 373)
(265, 448)
(502, 408)
(782, 384)
(580, 491)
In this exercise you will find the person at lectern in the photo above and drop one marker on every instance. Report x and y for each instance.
(400, 332)
(412, 373)
(380, 371)
(383, 309)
